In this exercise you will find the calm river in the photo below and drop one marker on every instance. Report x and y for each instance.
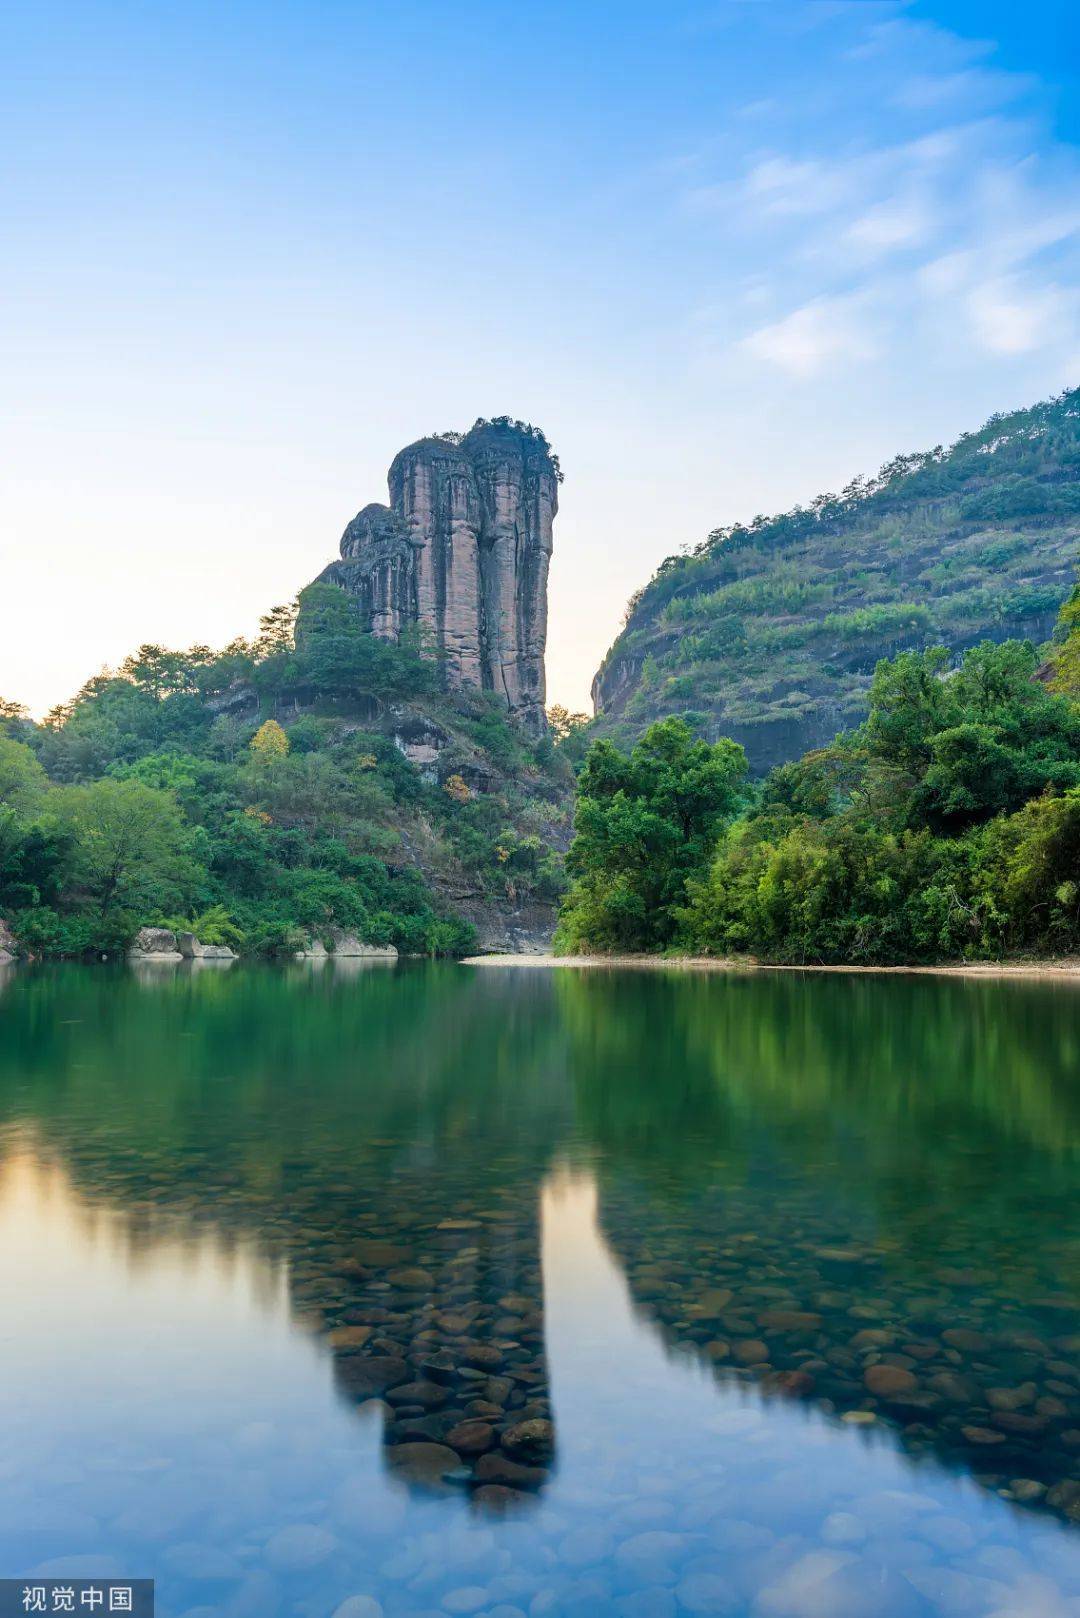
(435, 1290)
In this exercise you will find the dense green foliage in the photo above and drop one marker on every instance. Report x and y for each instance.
(265, 794)
(946, 826)
(644, 824)
(770, 631)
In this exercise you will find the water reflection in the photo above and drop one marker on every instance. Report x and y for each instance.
(372, 1140)
(844, 1209)
(859, 1192)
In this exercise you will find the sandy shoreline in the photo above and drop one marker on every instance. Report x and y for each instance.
(1068, 969)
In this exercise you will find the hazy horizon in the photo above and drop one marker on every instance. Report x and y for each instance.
(725, 257)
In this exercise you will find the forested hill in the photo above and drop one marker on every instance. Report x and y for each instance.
(769, 632)
(315, 781)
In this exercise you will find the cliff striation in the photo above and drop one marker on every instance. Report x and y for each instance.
(462, 553)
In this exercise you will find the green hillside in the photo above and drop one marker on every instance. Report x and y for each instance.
(316, 779)
(769, 632)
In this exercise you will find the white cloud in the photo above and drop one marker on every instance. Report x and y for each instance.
(782, 185)
(971, 88)
(894, 223)
(1009, 318)
(964, 234)
(811, 339)
(940, 277)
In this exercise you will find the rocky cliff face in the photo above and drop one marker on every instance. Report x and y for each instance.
(463, 550)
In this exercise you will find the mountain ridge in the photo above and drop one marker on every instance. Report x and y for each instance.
(769, 631)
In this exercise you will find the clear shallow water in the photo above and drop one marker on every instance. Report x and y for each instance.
(569, 1293)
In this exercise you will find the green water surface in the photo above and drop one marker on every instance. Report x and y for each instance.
(524, 1292)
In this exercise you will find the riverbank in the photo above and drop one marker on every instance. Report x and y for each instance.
(1069, 968)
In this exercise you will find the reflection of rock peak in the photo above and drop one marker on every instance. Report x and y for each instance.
(462, 551)
(444, 1323)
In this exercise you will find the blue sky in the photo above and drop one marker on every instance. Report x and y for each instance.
(727, 255)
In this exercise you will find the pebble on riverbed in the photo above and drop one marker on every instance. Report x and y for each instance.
(979, 1365)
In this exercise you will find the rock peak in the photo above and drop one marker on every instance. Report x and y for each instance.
(463, 549)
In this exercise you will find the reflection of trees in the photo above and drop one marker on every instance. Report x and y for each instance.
(807, 1177)
(825, 1052)
(387, 1133)
(784, 1163)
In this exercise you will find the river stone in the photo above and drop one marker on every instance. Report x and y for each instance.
(1026, 1488)
(711, 1303)
(652, 1603)
(799, 1592)
(648, 1556)
(412, 1279)
(381, 1255)
(1065, 1496)
(982, 1435)
(530, 1441)
(954, 1593)
(482, 1354)
(299, 1546)
(471, 1437)
(886, 1380)
(438, 1367)
(484, 1410)
(872, 1337)
(496, 1468)
(785, 1320)
(499, 1499)
(545, 1603)
(967, 1342)
(1015, 1421)
(585, 1546)
(706, 1594)
(842, 1528)
(468, 1598)
(359, 1607)
(349, 1336)
(792, 1384)
(952, 1535)
(956, 1388)
(192, 1560)
(433, 1427)
(1012, 1398)
(427, 1394)
(376, 1374)
(422, 1463)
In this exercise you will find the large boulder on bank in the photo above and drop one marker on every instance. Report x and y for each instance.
(335, 942)
(349, 944)
(8, 946)
(154, 944)
(192, 950)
